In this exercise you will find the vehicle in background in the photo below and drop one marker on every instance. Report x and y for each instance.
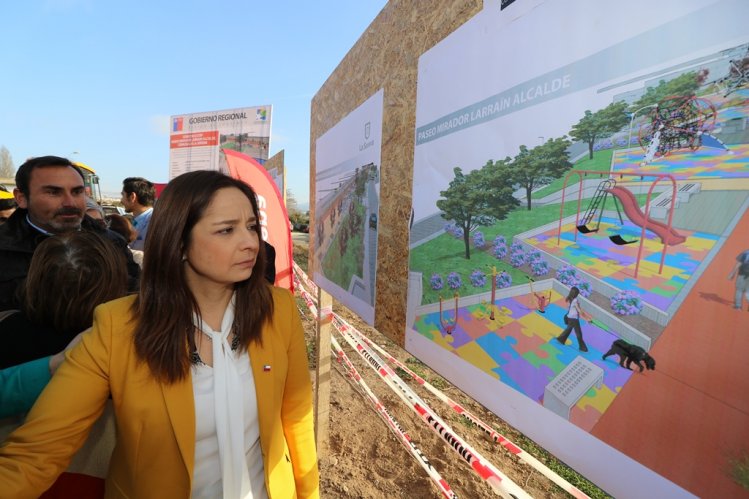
(90, 181)
(373, 221)
(110, 209)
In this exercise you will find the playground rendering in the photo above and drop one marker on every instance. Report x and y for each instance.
(655, 224)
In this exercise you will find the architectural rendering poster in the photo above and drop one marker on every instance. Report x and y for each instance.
(196, 139)
(347, 198)
(602, 146)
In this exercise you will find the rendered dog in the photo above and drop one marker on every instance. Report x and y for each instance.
(630, 353)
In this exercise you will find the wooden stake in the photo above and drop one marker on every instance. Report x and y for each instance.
(322, 373)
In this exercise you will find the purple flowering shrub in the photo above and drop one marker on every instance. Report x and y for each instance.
(603, 144)
(454, 281)
(478, 240)
(516, 247)
(626, 303)
(568, 276)
(540, 268)
(534, 256)
(517, 259)
(500, 239)
(454, 230)
(503, 280)
(478, 278)
(500, 250)
(436, 282)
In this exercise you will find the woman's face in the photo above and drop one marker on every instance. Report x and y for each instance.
(224, 243)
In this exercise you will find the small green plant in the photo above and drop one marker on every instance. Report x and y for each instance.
(740, 469)
(439, 383)
(311, 354)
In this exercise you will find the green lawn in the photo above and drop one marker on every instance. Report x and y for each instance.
(341, 268)
(601, 162)
(445, 253)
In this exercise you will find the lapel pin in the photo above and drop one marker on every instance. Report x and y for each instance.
(266, 368)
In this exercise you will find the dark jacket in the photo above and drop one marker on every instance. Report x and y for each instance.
(24, 341)
(18, 241)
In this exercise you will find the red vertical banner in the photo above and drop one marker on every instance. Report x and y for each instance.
(274, 220)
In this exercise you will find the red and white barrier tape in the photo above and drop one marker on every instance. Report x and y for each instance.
(379, 408)
(303, 276)
(495, 478)
(498, 481)
(493, 434)
(394, 426)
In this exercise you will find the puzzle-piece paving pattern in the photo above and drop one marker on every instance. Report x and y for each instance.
(519, 348)
(596, 255)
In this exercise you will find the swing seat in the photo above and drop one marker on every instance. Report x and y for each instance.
(585, 230)
(618, 239)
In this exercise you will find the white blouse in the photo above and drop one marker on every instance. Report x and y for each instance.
(217, 405)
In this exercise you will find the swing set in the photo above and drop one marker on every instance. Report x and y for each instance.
(598, 205)
(668, 235)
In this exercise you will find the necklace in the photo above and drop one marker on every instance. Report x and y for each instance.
(195, 355)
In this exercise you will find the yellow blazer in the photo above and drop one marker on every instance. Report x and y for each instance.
(155, 449)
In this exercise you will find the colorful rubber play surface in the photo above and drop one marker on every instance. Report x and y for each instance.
(713, 160)
(704, 163)
(519, 348)
(597, 256)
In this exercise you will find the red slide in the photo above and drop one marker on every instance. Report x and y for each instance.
(668, 235)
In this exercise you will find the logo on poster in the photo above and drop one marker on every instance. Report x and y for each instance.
(367, 143)
(261, 115)
(177, 124)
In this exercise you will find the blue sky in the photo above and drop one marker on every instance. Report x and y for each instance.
(101, 78)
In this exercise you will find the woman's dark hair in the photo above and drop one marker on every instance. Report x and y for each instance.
(165, 305)
(574, 291)
(70, 274)
(122, 226)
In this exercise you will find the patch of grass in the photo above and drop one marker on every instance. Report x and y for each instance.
(445, 253)
(740, 469)
(601, 162)
(415, 365)
(439, 383)
(340, 268)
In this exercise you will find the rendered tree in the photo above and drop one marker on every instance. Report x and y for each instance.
(602, 123)
(478, 198)
(540, 165)
(7, 168)
(685, 85)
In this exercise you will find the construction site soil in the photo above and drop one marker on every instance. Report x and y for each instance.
(363, 459)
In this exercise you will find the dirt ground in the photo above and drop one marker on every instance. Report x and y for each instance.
(365, 460)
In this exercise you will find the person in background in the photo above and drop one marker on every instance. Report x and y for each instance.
(95, 211)
(741, 272)
(138, 196)
(7, 205)
(68, 277)
(123, 227)
(574, 313)
(206, 367)
(20, 385)
(50, 195)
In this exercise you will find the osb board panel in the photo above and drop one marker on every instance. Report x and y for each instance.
(276, 161)
(386, 56)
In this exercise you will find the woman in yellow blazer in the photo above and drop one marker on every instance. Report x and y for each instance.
(206, 368)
